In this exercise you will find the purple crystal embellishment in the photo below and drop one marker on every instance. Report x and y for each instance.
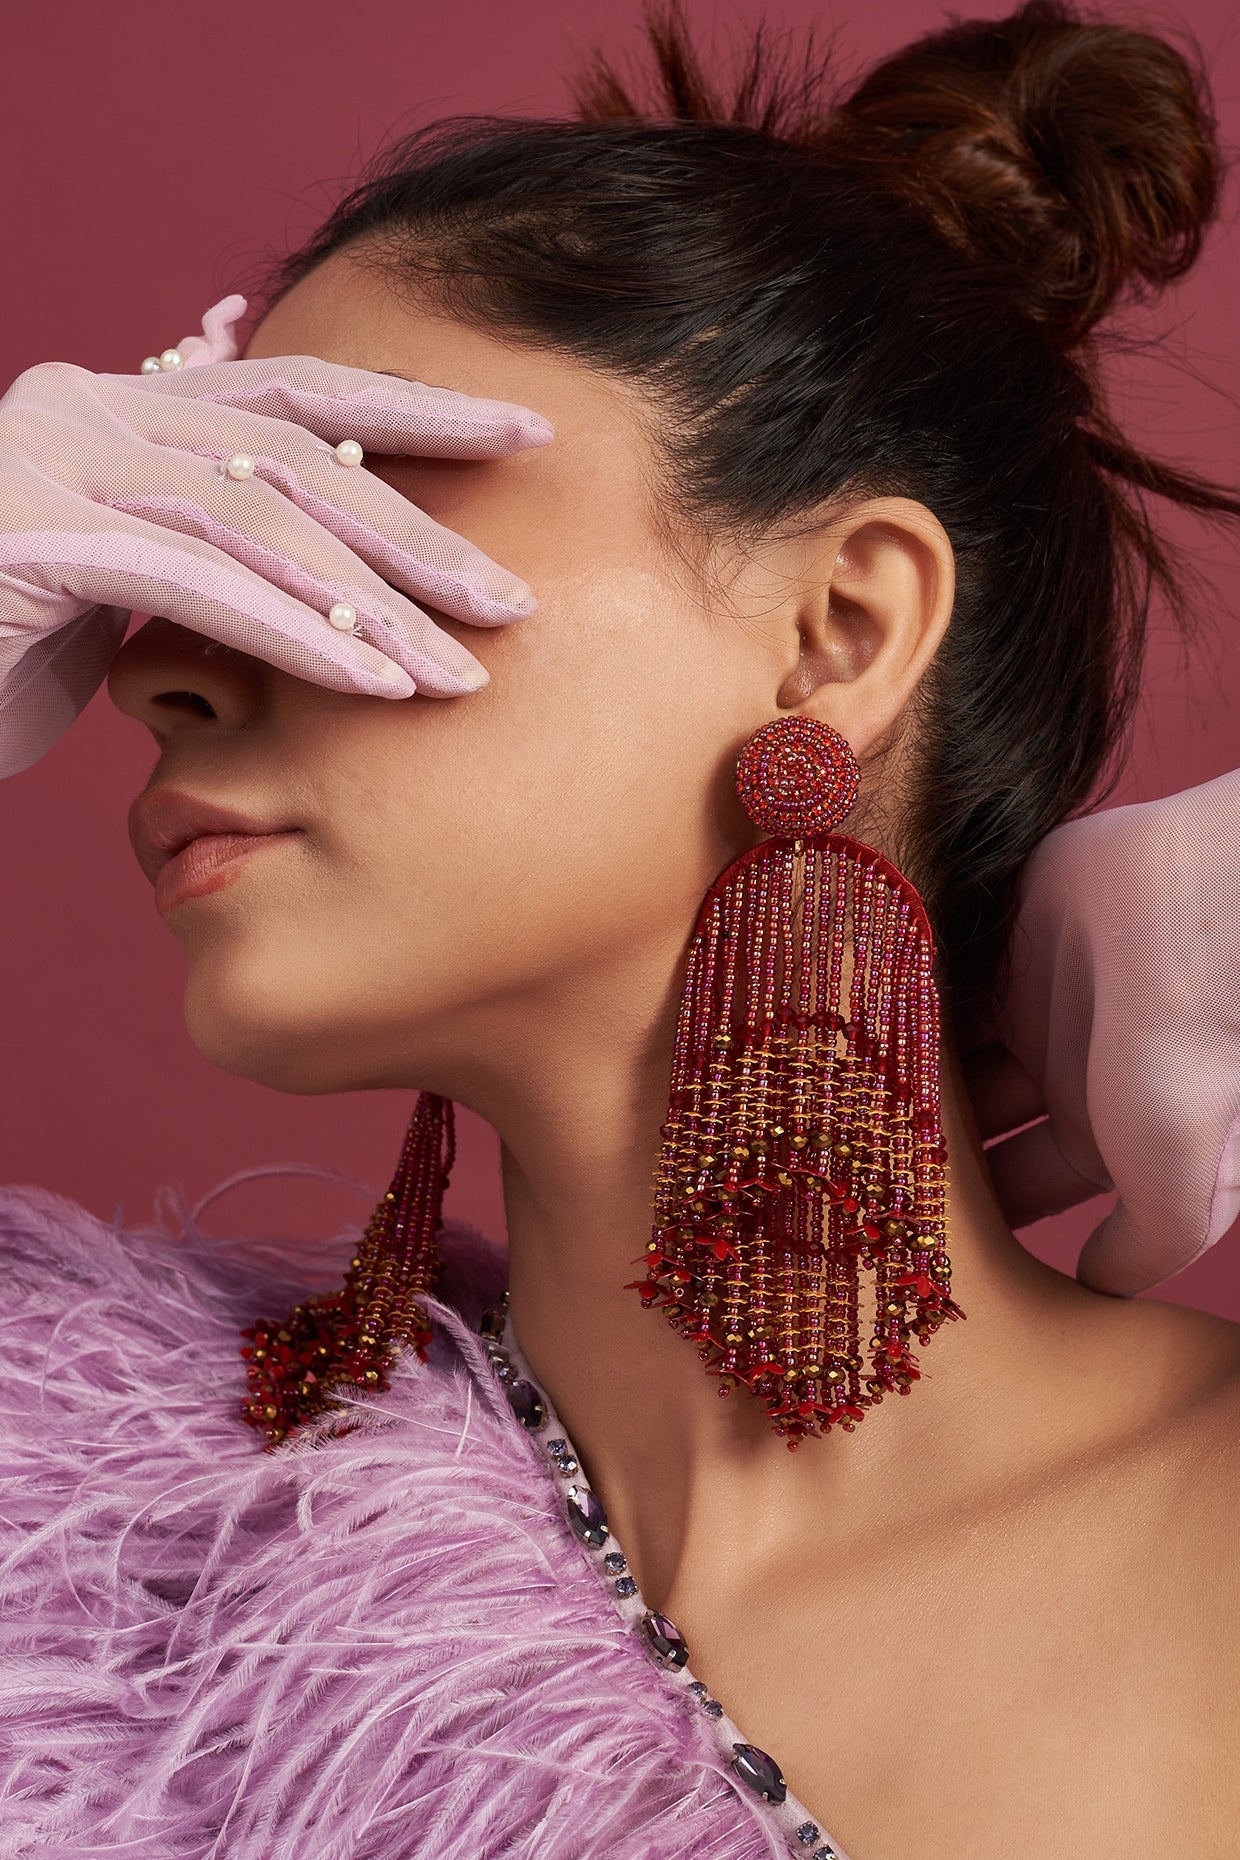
(586, 1516)
(527, 1404)
(761, 1772)
(666, 1640)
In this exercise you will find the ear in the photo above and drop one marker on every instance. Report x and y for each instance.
(871, 596)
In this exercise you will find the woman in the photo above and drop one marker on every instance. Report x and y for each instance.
(828, 452)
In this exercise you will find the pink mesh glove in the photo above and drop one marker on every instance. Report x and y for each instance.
(1122, 1025)
(115, 494)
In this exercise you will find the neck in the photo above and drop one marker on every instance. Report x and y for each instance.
(693, 1483)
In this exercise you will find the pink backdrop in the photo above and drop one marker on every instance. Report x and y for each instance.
(151, 158)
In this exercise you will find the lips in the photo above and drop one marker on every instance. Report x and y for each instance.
(187, 846)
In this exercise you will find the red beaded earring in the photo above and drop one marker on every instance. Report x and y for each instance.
(354, 1335)
(803, 1140)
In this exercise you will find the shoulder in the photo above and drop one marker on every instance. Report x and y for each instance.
(1192, 1486)
(1193, 1354)
(1188, 1365)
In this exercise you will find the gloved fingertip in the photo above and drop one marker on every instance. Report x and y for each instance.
(537, 431)
(394, 675)
(217, 343)
(381, 676)
(484, 604)
(450, 681)
(1117, 1259)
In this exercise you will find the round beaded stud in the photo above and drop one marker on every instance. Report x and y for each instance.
(343, 617)
(797, 776)
(150, 366)
(349, 452)
(240, 466)
(171, 360)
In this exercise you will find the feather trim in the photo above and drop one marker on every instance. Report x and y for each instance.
(382, 1646)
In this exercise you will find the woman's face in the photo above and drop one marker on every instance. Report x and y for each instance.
(468, 874)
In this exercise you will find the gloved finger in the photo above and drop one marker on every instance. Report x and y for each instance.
(1033, 1177)
(1125, 1255)
(136, 566)
(218, 342)
(340, 634)
(384, 412)
(1178, 1176)
(1002, 1093)
(289, 466)
(309, 562)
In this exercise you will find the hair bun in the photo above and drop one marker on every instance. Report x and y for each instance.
(1081, 156)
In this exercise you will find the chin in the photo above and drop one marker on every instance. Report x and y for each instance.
(262, 1033)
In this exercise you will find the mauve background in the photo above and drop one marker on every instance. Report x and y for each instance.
(150, 160)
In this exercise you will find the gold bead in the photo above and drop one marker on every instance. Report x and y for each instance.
(798, 1143)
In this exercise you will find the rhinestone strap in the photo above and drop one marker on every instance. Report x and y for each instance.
(661, 1638)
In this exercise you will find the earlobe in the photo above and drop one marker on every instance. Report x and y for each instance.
(871, 625)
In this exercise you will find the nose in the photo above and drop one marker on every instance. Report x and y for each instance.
(175, 681)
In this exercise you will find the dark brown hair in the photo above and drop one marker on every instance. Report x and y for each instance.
(892, 291)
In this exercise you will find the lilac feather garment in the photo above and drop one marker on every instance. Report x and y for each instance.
(371, 1647)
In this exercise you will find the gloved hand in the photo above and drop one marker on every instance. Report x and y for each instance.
(1121, 1023)
(116, 494)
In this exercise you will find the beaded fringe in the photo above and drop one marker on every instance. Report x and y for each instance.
(803, 1139)
(354, 1335)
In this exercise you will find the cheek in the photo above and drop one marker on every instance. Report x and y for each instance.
(560, 825)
